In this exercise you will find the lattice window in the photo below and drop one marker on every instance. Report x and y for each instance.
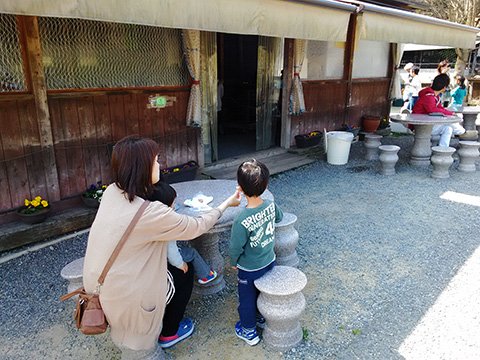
(79, 54)
(12, 77)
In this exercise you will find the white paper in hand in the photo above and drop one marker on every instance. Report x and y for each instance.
(199, 202)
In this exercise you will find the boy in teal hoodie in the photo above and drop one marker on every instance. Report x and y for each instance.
(251, 245)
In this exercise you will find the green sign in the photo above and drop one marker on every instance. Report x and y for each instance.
(161, 101)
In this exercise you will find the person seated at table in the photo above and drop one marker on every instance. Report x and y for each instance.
(429, 103)
(180, 257)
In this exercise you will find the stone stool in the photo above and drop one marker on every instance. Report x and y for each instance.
(388, 158)
(281, 303)
(286, 240)
(372, 142)
(468, 154)
(441, 160)
(73, 272)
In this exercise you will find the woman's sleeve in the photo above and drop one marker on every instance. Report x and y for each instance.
(163, 223)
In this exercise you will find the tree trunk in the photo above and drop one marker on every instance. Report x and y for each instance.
(462, 59)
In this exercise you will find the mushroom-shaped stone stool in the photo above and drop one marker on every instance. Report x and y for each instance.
(388, 158)
(281, 303)
(441, 160)
(372, 142)
(468, 154)
(286, 240)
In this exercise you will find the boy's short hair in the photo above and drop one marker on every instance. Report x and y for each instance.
(252, 176)
(440, 82)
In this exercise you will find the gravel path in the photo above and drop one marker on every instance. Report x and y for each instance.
(391, 264)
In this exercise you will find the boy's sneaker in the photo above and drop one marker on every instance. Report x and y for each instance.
(249, 336)
(211, 275)
(185, 329)
(260, 321)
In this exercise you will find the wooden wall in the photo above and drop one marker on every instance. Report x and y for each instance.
(82, 125)
(325, 104)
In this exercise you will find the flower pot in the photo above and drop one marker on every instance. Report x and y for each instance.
(34, 218)
(179, 173)
(90, 202)
(370, 124)
(305, 141)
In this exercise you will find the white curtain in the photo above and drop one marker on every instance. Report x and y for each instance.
(397, 58)
(191, 49)
(297, 102)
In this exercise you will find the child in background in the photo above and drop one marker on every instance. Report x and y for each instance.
(460, 91)
(251, 245)
(179, 257)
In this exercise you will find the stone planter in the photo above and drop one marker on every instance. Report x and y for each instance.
(305, 141)
(441, 160)
(185, 172)
(388, 158)
(90, 202)
(34, 218)
(372, 143)
(468, 153)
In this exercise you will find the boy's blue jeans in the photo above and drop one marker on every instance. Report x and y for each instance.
(247, 295)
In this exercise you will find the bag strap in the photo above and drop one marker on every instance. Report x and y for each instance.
(119, 246)
(79, 291)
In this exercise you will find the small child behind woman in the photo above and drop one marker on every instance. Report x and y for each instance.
(179, 257)
(460, 91)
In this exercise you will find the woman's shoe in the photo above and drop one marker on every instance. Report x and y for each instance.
(185, 329)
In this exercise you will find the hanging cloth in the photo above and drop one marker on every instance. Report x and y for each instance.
(191, 50)
(396, 91)
(297, 102)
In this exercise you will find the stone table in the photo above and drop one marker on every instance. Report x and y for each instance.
(421, 151)
(207, 244)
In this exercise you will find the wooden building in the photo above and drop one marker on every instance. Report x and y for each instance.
(76, 76)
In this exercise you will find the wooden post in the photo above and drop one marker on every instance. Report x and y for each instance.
(28, 28)
(287, 80)
(348, 62)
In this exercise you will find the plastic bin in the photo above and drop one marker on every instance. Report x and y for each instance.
(337, 146)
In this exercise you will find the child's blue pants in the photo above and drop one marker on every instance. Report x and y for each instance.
(247, 295)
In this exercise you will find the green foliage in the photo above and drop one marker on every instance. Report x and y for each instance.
(356, 331)
(305, 334)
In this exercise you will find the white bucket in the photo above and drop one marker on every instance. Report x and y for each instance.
(337, 146)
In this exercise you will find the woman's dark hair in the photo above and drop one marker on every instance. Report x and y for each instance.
(416, 70)
(252, 176)
(132, 166)
(442, 64)
(462, 81)
(440, 81)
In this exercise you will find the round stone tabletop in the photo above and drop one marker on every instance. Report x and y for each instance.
(219, 190)
(424, 119)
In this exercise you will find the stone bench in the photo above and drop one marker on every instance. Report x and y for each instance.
(286, 240)
(281, 303)
(73, 272)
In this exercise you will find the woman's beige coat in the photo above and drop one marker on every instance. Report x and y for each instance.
(133, 294)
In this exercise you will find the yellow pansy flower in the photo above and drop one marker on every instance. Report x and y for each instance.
(27, 202)
(44, 203)
(38, 198)
(35, 202)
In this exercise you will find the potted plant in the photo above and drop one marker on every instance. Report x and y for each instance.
(370, 123)
(307, 140)
(179, 173)
(34, 211)
(93, 195)
(353, 129)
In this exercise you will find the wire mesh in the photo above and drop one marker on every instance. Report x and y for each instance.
(80, 54)
(12, 77)
(429, 59)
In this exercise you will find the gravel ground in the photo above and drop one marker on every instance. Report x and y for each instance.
(392, 273)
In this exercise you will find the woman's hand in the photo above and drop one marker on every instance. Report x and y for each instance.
(233, 200)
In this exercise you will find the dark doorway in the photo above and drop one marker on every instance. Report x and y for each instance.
(237, 72)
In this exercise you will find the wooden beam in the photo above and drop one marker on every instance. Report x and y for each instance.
(287, 80)
(348, 62)
(28, 27)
